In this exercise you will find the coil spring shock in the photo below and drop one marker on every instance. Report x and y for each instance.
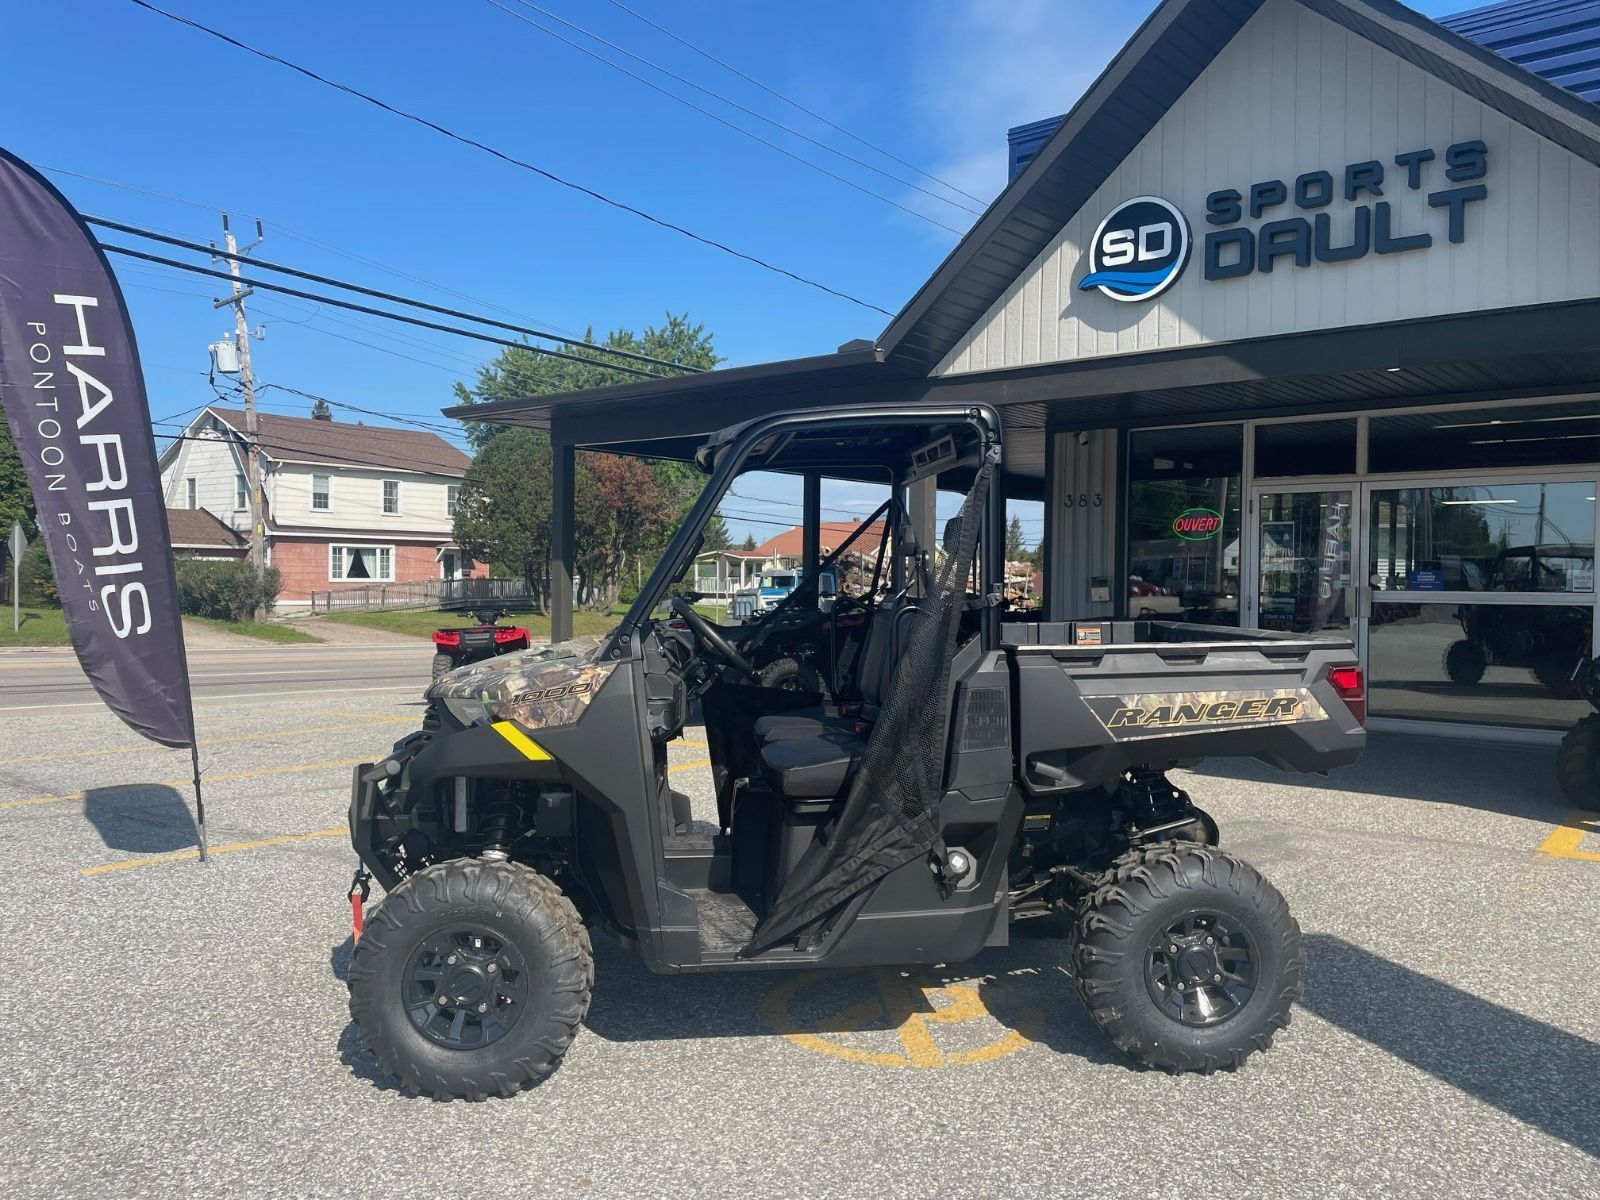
(500, 822)
(1153, 798)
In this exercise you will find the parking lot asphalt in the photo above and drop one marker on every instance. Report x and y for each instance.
(178, 1028)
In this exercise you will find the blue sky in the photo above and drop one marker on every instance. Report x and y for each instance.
(103, 88)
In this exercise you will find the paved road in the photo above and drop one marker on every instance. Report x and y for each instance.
(51, 678)
(178, 1029)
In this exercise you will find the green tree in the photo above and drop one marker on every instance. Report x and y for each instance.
(503, 517)
(749, 542)
(626, 508)
(16, 501)
(1016, 550)
(716, 535)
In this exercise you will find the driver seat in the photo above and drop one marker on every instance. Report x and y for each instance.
(886, 637)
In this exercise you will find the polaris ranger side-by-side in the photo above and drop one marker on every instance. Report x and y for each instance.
(964, 774)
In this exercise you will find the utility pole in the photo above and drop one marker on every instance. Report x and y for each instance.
(252, 467)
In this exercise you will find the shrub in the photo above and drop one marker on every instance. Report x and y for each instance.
(38, 580)
(225, 589)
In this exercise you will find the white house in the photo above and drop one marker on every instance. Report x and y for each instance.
(343, 504)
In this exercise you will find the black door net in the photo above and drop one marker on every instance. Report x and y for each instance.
(890, 812)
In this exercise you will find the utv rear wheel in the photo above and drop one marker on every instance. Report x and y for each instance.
(1578, 764)
(471, 978)
(442, 664)
(1188, 958)
(790, 675)
(1464, 662)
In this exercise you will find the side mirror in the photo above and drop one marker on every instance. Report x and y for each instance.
(827, 590)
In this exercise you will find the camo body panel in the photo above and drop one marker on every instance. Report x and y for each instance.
(538, 688)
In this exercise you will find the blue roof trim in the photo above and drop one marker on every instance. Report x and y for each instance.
(1558, 40)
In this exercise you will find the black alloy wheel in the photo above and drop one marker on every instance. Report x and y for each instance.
(465, 987)
(1201, 969)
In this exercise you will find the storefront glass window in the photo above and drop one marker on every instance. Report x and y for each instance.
(1525, 436)
(1184, 532)
(1299, 448)
(1305, 542)
(1486, 664)
(1515, 537)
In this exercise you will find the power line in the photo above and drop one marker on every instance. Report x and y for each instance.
(392, 298)
(376, 312)
(655, 66)
(506, 157)
(310, 240)
(771, 91)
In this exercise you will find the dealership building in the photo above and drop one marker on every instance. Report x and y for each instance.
(1294, 323)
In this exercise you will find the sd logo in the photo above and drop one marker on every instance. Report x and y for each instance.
(1138, 251)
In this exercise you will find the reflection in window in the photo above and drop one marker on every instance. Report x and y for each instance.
(1453, 439)
(1518, 537)
(1487, 664)
(1184, 535)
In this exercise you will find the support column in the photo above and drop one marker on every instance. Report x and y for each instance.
(922, 507)
(563, 506)
(811, 521)
(1049, 552)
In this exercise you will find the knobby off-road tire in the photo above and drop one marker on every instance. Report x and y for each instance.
(1464, 662)
(545, 940)
(1126, 921)
(1578, 764)
(442, 664)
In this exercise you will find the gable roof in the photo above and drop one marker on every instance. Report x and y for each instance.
(791, 542)
(339, 443)
(1558, 40)
(1168, 53)
(197, 527)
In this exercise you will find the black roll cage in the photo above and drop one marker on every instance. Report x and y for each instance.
(729, 449)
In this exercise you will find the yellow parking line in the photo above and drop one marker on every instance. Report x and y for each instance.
(689, 766)
(231, 777)
(226, 741)
(687, 742)
(255, 844)
(1565, 838)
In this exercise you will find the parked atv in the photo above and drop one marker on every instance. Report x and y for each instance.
(488, 638)
(1578, 759)
(993, 772)
(1546, 641)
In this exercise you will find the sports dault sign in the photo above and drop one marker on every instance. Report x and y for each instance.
(74, 399)
(1141, 246)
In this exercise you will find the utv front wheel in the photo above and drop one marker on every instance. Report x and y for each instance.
(471, 978)
(1188, 958)
(442, 665)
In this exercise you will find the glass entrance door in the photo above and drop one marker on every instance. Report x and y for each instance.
(1305, 552)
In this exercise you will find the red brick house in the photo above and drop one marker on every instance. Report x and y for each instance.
(344, 504)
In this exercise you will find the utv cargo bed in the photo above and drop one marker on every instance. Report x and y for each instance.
(1094, 698)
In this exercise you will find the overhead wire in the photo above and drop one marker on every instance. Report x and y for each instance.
(669, 73)
(311, 240)
(390, 297)
(793, 103)
(506, 157)
(376, 312)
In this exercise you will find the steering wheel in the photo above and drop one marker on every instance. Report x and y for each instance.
(711, 640)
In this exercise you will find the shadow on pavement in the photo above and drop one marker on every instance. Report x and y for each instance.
(140, 818)
(1534, 1072)
(1516, 781)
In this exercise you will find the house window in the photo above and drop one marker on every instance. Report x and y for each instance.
(452, 499)
(241, 499)
(391, 496)
(358, 563)
(192, 492)
(321, 492)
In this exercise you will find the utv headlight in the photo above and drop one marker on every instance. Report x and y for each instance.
(469, 710)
